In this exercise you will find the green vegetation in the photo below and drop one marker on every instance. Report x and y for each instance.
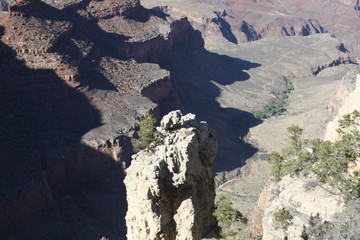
(317, 228)
(271, 110)
(148, 136)
(333, 159)
(344, 226)
(295, 157)
(277, 108)
(282, 218)
(329, 161)
(231, 221)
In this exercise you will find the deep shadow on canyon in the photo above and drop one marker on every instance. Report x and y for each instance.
(195, 85)
(51, 184)
(49, 179)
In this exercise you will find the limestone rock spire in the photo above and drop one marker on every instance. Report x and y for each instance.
(170, 190)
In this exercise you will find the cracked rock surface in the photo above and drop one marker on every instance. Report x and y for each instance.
(170, 189)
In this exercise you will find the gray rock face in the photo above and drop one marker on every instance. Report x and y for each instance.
(302, 198)
(170, 189)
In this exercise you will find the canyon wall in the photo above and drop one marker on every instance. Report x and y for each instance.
(76, 76)
(170, 187)
(239, 21)
(350, 102)
(70, 98)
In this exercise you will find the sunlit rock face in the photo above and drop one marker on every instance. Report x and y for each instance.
(170, 189)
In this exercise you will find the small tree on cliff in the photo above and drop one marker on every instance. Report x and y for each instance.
(227, 218)
(147, 133)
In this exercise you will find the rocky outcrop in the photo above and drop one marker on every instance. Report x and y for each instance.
(350, 101)
(302, 198)
(170, 189)
(256, 225)
(111, 8)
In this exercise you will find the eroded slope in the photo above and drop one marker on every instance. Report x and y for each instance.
(71, 92)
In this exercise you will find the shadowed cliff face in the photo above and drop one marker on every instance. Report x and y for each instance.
(66, 76)
(195, 73)
(193, 70)
(47, 176)
(197, 81)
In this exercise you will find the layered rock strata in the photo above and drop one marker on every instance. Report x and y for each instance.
(247, 20)
(170, 188)
(69, 101)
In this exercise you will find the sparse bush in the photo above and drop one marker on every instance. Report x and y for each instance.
(328, 161)
(317, 228)
(310, 185)
(277, 108)
(295, 159)
(344, 226)
(289, 88)
(277, 163)
(347, 223)
(271, 110)
(282, 218)
(333, 159)
(260, 115)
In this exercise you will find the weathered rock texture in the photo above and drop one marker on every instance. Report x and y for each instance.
(351, 102)
(302, 198)
(256, 226)
(170, 189)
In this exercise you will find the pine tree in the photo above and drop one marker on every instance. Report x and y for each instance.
(147, 133)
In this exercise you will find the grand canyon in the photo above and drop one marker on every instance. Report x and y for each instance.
(77, 76)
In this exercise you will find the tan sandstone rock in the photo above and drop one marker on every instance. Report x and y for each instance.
(170, 189)
(350, 103)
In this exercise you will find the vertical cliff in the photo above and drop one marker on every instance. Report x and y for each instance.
(350, 103)
(69, 102)
(170, 189)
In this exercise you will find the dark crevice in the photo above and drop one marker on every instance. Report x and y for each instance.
(225, 28)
